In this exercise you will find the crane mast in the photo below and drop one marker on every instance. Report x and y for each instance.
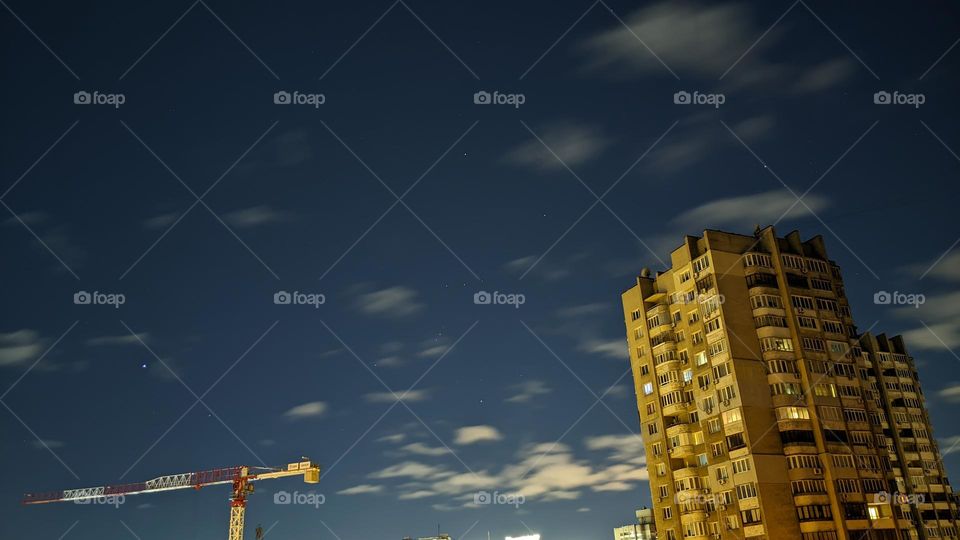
(241, 478)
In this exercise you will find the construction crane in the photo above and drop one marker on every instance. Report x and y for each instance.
(241, 478)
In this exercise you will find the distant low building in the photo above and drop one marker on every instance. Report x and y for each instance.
(443, 536)
(643, 529)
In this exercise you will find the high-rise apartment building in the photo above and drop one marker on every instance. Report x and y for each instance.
(765, 413)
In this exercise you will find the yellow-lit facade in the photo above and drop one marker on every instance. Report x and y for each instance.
(765, 413)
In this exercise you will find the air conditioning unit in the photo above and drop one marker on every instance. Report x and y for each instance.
(706, 490)
(800, 310)
(722, 507)
(817, 470)
(722, 481)
(726, 401)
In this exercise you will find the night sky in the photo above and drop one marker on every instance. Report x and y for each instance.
(184, 187)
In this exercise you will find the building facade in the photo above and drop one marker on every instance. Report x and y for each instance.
(643, 529)
(765, 413)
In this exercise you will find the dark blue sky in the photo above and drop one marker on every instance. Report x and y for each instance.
(535, 400)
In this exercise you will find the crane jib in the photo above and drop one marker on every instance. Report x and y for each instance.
(161, 483)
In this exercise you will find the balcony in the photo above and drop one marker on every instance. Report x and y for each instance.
(681, 451)
(675, 408)
(679, 428)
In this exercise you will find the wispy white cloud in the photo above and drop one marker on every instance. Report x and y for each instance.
(625, 448)
(703, 40)
(939, 318)
(161, 221)
(361, 489)
(393, 438)
(747, 210)
(542, 471)
(20, 347)
(397, 301)
(573, 144)
(424, 450)
(312, 409)
(410, 469)
(475, 434)
(389, 397)
(255, 216)
(950, 393)
(528, 391)
(543, 269)
(433, 351)
(609, 348)
(706, 40)
(947, 269)
(417, 494)
(122, 339)
(390, 362)
(825, 75)
(46, 443)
